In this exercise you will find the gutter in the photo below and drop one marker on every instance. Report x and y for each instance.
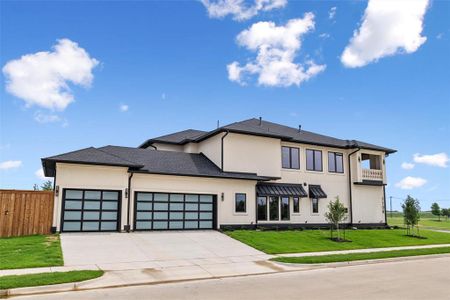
(221, 149)
(350, 185)
(127, 227)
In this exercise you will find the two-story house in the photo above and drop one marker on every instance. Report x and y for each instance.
(243, 175)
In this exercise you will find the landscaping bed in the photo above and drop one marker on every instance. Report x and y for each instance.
(30, 252)
(297, 241)
(28, 280)
(361, 256)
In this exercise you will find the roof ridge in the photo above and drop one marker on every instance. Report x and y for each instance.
(133, 162)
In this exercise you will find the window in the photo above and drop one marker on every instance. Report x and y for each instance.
(240, 203)
(314, 160)
(284, 208)
(296, 204)
(290, 158)
(335, 162)
(274, 209)
(262, 208)
(315, 205)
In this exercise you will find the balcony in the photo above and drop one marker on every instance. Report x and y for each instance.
(372, 175)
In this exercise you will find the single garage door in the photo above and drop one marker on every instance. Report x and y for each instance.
(163, 211)
(90, 210)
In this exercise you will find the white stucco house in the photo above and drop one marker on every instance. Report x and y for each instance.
(247, 174)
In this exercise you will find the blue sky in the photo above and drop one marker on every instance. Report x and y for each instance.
(167, 62)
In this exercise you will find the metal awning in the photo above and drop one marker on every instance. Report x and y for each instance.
(280, 189)
(315, 191)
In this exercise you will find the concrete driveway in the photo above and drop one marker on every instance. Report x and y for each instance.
(121, 251)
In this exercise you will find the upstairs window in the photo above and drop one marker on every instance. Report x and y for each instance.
(290, 157)
(240, 203)
(314, 160)
(335, 162)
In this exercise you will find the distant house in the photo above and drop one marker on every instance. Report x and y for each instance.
(243, 175)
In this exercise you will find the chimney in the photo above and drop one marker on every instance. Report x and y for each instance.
(260, 121)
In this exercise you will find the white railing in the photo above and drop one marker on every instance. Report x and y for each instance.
(372, 174)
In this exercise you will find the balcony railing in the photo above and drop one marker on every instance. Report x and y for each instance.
(372, 174)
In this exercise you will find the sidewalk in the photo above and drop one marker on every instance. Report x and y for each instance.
(361, 250)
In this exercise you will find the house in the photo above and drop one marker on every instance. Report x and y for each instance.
(244, 175)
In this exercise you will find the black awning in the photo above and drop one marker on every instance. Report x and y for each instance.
(315, 191)
(280, 189)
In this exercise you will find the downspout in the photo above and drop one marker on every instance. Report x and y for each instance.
(385, 207)
(221, 150)
(350, 185)
(127, 227)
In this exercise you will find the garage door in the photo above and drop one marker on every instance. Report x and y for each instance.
(90, 210)
(163, 211)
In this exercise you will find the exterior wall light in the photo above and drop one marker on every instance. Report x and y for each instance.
(57, 190)
(222, 197)
(126, 193)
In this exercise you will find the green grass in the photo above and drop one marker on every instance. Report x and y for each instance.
(360, 256)
(30, 252)
(296, 241)
(17, 281)
(425, 222)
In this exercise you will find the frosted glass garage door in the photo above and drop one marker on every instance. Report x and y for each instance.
(168, 211)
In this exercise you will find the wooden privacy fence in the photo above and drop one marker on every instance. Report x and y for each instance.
(25, 212)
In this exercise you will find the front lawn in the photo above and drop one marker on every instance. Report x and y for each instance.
(296, 241)
(17, 281)
(360, 256)
(30, 252)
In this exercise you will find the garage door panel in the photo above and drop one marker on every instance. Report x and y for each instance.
(90, 210)
(163, 211)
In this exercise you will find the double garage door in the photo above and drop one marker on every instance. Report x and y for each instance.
(90, 210)
(163, 211)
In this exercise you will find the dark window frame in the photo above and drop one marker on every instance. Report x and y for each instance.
(296, 207)
(235, 203)
(290, 158)
(336, 154)
(266, 205)
(312, 205)
(314, 160)
(284, 217)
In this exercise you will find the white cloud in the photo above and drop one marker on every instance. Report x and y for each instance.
(437, 160)
(407, 166)
(409, 183)
(40, 174)
(42, 78)
(239, 9)
(440, 35)
(324, 35)
(123, 107)
(332, 13)
(46, 118)
(276, 48)
(10, 164)
(388, 27)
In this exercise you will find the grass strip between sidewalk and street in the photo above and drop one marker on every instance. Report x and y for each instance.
(28, 280)
(360, 256)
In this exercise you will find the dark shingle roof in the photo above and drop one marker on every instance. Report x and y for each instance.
(265, 128)
(180, 137)
(146, 161)
(268, 129)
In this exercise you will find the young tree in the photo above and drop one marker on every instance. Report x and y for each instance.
(336, 215)
(47, 186)
(446, 212)
(436, 210)
(411, 214)
(35, 187)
